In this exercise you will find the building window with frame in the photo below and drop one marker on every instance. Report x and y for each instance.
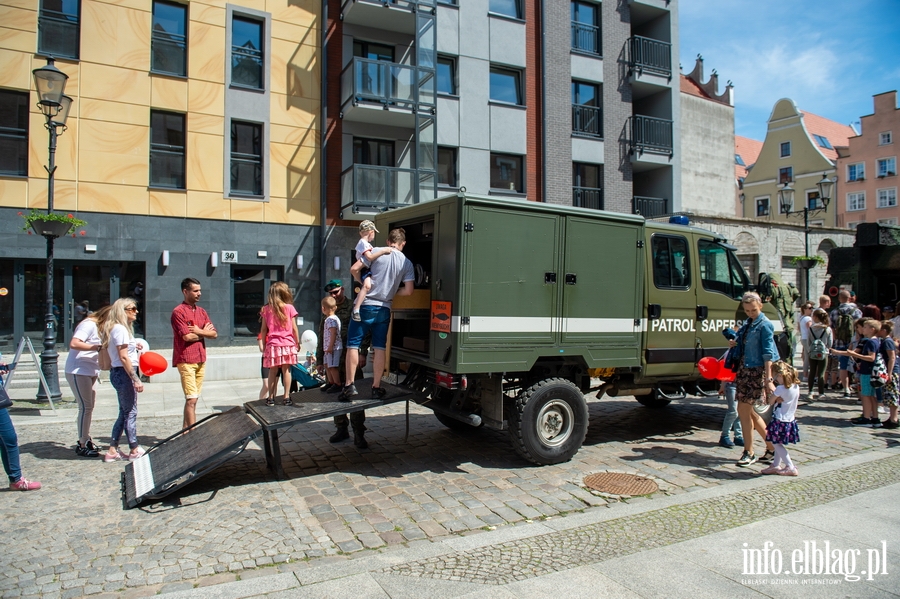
(373, 152)
(738, 160)
(762, 207)
(585, 17)
(812, 200)
(506, 85)
(506, 173)
(168, 53)
(887, 198)
(59, 28)
(856, 172)
(587, 114)
(247, 60)
(887, 221)
(507, 8)
(887, 167)
(246, 159)
(785, 175)
(885, 138)
(823, 142)
(785, 149)
(13, 133)
(587, 185)
(856, 201)
(167, 149)
(446, 75)
(447, 168)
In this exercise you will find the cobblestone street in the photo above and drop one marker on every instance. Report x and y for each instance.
(73, 538)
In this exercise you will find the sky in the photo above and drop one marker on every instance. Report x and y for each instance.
(829, 56)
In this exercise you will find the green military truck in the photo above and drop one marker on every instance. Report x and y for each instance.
(518, 305)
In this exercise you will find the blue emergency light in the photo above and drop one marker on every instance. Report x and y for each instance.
(679, 219)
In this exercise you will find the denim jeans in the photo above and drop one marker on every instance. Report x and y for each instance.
(9, 447)
(127, 419)
(731, 416)
(372, 318)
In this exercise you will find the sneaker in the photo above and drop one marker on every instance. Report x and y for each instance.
(875, 423)
(847, 394)
(767, 457)
(813, 396)
(378, 393)
(136, 454)
(771, 470)
(333, 388)
(90, 445)
(882, 410)
(726, 442)
(85, 451)
(788, 471)
(25, 485)
(746, 459)
(270, 401)
(861, 421)
(117, 457)
(890, 424)
(348, 392)
(355, 316)
(739, 441)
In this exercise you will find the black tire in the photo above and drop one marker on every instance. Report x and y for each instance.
(652, 400)
(456, 425)
(549, 422)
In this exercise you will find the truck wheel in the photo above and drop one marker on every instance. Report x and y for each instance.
(456, 425)
(652, 400)
(549, 422)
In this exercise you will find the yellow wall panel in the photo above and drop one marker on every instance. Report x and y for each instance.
(114, 199)
(293, 111)
(16, 39)
(206, 123)
(295, 212)
(64, 195)
(205, 97)
(15, 69)
(72, 69)
(30, 4)
(14, 193)
(205, 162)
(259, 5)
(98, 31)
(305, 12)
(300, 72)
(168, 93)
(206, 57)
(117, 112)
(120, 169)
(202, 204)
(168, 203)
(295, 31)
(133, 47)
(247, 210)
(211, 15)
(115, 83)
(295, 136)
(115, 138)
(295, 170)
(135, 4)
(19, 18)
(39, 152)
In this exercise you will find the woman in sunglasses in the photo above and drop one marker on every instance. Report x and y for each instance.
(117, 335)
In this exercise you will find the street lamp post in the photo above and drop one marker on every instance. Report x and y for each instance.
(50, 84)
(786, 201)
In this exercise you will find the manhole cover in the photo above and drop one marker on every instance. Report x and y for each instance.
(617, 483)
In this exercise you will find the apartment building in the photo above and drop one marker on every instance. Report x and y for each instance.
(191, 150)
(868, 168)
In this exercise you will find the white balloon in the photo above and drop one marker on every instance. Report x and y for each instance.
(142, 345)
(309, 341)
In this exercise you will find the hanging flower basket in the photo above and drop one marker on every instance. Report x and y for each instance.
(808, 262)
(50, 224)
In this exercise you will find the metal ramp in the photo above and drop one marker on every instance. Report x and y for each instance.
(186, 456)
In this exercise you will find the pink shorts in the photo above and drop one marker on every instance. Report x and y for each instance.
(279, 356)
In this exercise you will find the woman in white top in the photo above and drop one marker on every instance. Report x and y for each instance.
(82, 370)
(118, 336)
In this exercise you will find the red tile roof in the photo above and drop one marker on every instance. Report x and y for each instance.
(835, 133)
(689, 87)
(749, 150)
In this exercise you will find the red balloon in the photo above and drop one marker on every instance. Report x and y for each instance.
(708, 367)
(725, 374)
(152, 363)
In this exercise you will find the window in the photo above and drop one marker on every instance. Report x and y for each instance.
(887, 198)
(246, 158)
(785, 149)
(249, 288)
(887, 221)
(587, 116)
(506, 173)
(374, 152)
(853, 225)
(885, 138)
(373, 51)
(762, 207)
(167, 155)
(508, 8)
(887, 167)
(720, 270)
(856, 201)
(246, 53)
(823, 142)
(670, 262)
(59, 29)
(505, 86)
(856, 172)
(446, 76)
(169, 43)
(446, 167)
(738, 160)
(585, 27)
(587, 185)
(13, 133)
(785, 175)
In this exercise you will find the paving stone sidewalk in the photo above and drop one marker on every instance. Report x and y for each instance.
(240, 521)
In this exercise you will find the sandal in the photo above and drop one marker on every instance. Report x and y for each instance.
(270, 401)
(287, 401)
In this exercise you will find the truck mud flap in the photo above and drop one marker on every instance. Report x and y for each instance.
(187, 455)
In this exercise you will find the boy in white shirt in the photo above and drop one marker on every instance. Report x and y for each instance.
(365, 255)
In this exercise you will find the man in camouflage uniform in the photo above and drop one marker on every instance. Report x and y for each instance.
(784, 297)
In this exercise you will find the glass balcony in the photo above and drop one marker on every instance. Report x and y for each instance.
(389, 84)
(399, 17)
(366, 188)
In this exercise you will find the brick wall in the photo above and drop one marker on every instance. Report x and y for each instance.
(557, 38)
(617, 174)
(534, 159)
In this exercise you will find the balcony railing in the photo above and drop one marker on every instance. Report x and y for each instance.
(650, 134)
(411, 5)
(381, 188)
(587, 120)
(387, 83)
(650, 55)
(585, 38)
(587, 197)
(650, 207)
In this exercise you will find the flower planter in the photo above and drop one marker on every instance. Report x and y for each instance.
(807, 264)
(51, 228)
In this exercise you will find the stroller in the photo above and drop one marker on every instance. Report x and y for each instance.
(302, 379)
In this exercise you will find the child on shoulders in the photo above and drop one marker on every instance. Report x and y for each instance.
(365, 255)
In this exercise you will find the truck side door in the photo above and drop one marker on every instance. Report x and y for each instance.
(722, 283)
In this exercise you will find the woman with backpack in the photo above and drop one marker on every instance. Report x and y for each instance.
(820, 343)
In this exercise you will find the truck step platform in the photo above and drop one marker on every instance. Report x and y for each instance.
(186, 456)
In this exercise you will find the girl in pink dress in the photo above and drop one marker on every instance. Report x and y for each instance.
(282, 340)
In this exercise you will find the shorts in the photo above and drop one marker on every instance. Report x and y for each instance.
(332, 359)
(750, 384)
(371, 318)
(889, 393)
(865, 385)
(844, 362)
(191, 379)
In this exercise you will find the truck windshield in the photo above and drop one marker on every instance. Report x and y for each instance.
(720, 269)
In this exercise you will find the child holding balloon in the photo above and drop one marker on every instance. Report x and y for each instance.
(282, 339)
